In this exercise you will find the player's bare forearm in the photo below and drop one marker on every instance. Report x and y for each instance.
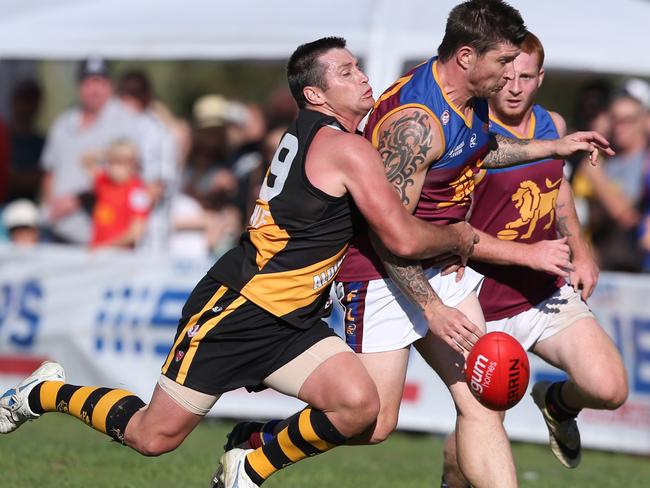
(551, 256)
(492, 250)
(584, 272)
(506, 151)
(410, 279)
(407, 275)
(568, 224)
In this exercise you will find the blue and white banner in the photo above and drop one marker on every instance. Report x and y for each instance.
(110, 319)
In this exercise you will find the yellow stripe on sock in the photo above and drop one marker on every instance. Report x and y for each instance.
(309, 434)
(49, 391)
(190, 323)
(77, 401)
(203, 331)
(288, 447)
(104, 405)
(260, 463)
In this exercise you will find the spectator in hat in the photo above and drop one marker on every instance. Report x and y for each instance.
(80, 132)
(640, 90)
(20, 218)
(209, 177)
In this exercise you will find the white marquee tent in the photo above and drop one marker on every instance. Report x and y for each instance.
(608, 36)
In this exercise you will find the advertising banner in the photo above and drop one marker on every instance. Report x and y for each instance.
(110, 319)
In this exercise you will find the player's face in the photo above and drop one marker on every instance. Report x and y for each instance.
(518, 94)
(491, 71)
(347, 88)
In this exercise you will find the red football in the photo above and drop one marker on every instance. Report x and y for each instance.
(497, 371)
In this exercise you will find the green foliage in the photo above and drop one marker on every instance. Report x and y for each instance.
(58, 451)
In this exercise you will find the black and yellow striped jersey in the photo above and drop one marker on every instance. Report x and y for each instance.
(296, 238)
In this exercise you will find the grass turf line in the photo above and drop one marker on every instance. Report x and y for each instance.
(57, 451)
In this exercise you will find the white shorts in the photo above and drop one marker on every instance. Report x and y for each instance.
(379, 318)
(561, 310)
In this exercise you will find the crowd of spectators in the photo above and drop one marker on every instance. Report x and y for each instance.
(614, 196)
(120, 170)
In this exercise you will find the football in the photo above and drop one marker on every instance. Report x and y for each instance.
(497, 371)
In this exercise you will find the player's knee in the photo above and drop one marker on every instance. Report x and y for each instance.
(609, 388)
(360, 407)
(614, 394)
(155, 445)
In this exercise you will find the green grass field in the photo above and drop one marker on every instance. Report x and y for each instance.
(59, 452)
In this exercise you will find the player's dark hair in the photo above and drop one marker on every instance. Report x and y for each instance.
(482, 25)
(304, 69)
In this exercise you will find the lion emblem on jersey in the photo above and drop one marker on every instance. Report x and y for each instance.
(533, 205)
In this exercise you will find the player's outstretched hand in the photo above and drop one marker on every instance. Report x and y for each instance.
(587, 141)
(452, 326)
(552, 257)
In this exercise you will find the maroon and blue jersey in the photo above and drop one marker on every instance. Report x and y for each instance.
(449, 182)
(518, 203)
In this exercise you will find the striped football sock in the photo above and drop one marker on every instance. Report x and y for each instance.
(307, 434)
(104, 409)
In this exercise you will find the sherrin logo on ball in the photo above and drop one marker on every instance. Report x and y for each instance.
(497, 371)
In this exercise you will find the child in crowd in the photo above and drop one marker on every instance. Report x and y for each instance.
(122, 203)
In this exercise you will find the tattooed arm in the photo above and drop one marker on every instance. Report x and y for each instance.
(408, 142)
(505, 151)
(584, 275)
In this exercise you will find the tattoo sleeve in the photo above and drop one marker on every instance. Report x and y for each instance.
(407, 275)
(404, 146)
(505, 151)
